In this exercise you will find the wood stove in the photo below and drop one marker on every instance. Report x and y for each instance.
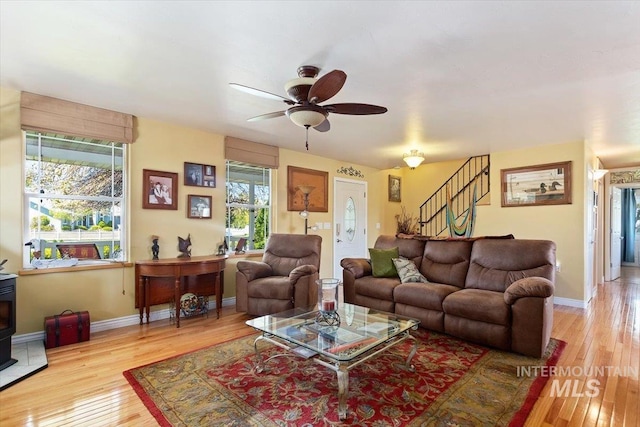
(7, 318)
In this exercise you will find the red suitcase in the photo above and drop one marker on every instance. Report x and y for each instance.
(67, 327)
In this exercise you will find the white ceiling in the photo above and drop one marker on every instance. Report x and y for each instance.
(459, 78)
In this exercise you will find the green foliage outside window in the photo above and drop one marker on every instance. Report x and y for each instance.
(45, 224)
(248, 199)
(262, 230)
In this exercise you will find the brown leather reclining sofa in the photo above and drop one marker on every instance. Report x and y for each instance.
(492, 291)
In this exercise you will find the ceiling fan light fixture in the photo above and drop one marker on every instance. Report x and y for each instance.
(298, 89)
(413, 159)
(307, 116)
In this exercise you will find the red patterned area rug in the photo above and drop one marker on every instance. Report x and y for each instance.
(454, 384)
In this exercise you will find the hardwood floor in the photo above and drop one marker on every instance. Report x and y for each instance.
(84, 385)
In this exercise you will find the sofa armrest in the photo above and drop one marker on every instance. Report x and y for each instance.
(528, 287)
(300, 271)
(254, 269)
(359, 267)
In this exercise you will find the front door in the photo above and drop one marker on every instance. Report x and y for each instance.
(350, 219)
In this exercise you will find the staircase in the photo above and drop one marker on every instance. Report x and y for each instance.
(433, 215)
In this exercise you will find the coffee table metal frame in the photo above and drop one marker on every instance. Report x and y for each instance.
(340, 364)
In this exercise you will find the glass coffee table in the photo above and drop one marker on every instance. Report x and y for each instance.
(359, 334)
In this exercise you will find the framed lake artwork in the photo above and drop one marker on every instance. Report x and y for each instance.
(547, 184)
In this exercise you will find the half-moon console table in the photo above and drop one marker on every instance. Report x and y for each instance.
(165, 280)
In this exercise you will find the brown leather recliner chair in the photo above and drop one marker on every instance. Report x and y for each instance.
(284, 279)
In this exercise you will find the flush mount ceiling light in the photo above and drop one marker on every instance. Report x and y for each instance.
(413, 159)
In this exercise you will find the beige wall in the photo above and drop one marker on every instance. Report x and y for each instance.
(109, 294)
(291, 222)
(563, 224)
(417, 185)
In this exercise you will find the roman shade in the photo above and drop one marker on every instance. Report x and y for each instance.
(254, 153)
(51, 115)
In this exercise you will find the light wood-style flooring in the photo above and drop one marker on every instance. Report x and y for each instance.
(84, 385)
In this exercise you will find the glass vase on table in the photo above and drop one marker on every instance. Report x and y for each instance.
(328, 302)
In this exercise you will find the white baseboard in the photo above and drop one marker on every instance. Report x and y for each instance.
(104, 325)
(23, 338)
(570, 302)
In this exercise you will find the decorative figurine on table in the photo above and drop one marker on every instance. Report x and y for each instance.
(184, 246)
(155, 249)
(240, 247)
(223, 248)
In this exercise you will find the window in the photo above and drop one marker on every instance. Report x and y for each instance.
(74, 196)
(248, 204)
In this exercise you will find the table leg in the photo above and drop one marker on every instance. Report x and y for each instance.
(147, 291)
(177, 300)
(408, 364)
(259, 361)
(141, 297)
(218, 293)
(343, 390)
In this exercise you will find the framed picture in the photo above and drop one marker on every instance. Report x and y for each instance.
(199, 175)
(394, 189)
(198, 206)
(313, 181)
(548, 184)
(160, 190)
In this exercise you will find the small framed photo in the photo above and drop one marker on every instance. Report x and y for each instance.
(160, 190)
(548, 184)
(199, 175)
(198, 207)
(394, 189)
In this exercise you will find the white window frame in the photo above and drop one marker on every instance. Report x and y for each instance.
(251, 206)
(122, 201)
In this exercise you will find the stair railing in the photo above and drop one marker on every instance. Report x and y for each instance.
(433, 216)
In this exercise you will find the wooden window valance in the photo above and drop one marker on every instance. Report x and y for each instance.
(51, 115)
(254, 153)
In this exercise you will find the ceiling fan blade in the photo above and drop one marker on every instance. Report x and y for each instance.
(355, 109)
(327, 86)
(266, 116)
(261, 93)
(324, 126)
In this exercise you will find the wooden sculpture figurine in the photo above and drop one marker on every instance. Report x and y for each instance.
(184, 246)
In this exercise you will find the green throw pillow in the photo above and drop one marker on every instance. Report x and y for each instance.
(408, 271)
(381, 263)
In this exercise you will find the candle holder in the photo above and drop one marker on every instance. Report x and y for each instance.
(328, 302)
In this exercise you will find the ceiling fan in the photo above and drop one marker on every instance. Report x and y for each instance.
(306, 93)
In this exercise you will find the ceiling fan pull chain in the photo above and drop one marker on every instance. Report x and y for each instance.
(306, 144)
